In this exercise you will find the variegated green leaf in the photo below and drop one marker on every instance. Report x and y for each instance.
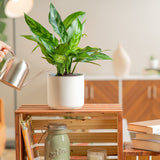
(57, 24)
(69, 20)
(30, 37)
(42, 34)
(2, 26)
(35, 48)
(62, 49)
(59, 58)
(74, 34)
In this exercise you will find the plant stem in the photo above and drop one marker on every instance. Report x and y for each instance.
(74, 67)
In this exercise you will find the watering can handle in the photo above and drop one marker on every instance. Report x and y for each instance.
(13, 54)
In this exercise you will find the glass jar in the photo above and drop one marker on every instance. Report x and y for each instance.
(57, 144)
(96, 154)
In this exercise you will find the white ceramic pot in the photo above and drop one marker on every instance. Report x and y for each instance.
(65, 92)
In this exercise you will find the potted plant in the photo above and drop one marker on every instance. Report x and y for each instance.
(65, 88)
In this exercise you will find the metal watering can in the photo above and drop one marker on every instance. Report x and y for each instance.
(14, 72)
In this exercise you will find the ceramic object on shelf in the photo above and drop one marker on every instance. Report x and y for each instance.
(57, 143)
(154, 63)
(65, 92)
(121, 62)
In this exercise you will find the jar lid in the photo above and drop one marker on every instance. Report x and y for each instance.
(57, 126)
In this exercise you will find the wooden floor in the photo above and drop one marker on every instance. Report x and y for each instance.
(8, 154)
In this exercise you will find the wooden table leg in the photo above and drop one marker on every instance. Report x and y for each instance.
(19, 140)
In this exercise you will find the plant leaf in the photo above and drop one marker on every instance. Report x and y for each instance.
(2, 26)
(74, 34)
(59, 58)
(97, 56)
(69, 20)
(3, 37)
(42, 34)
(89, 54)
(2, 13)
(35, 48)
(88, 49)
(57, 24)
(94, 63)
(49, 60)
(62, 49)
(80, 57)
(44, 51)
(30, 37)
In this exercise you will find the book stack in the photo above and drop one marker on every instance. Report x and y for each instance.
(147, 135)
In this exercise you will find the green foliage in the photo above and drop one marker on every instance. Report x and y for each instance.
(63, 52)
(2, 63)
(3, 37)
(2, 13)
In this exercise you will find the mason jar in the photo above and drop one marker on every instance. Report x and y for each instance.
(57, 144)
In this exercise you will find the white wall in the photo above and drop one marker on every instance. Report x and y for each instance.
(133, 23)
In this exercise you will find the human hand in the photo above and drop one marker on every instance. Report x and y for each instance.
(4, 48)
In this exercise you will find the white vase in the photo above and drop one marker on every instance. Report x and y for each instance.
(65, 92)
(121, 62)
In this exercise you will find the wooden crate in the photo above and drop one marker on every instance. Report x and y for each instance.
(137, 154)
(104, 120)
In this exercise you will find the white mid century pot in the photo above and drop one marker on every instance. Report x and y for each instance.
(65, 92)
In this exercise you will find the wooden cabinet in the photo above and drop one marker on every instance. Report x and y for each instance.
(141, 100)
(101, 91)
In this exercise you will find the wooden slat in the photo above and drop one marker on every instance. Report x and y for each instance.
(143, 158)
(75, 114)
(155, 157)
(78, 158)
(87, 108)
(130, 158)
(82, 150)
(86, 137)
(73, 124)
(93, 137)
(19, 138)
(83, 158)
(120, 136)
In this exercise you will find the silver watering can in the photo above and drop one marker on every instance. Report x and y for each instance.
(14, 72)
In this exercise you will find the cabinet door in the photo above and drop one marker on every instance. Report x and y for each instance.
(101, 92)
(155, 99)
(137, 100)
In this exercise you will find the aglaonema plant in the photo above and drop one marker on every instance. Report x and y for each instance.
(63, 52)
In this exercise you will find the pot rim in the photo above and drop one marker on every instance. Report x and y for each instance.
(74, 75)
